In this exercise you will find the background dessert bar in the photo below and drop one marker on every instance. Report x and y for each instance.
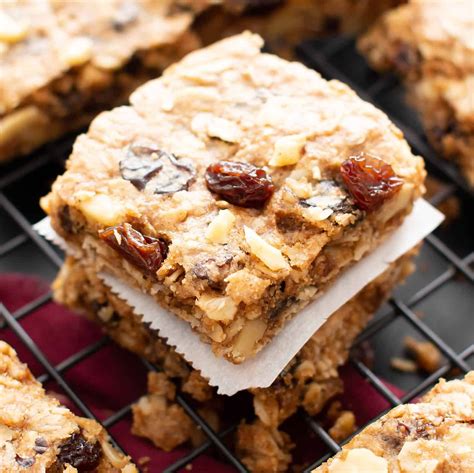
(430, 45)
(435, 434)
(38, 434)
(63, 62)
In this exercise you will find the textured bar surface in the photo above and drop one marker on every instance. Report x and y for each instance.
(235, 249)
(38, 434)
(435, 434)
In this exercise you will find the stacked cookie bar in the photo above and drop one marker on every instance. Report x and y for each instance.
(430, 44)
(308, 382)
(37, 434)
(435, 434)
(234, 190)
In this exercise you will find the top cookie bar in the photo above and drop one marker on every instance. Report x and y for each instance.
(235, 189)
(434, 435)
(62, 62)
(37, 434)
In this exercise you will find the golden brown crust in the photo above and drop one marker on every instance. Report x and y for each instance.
(34, 427)
(435, 434)
(231, 102)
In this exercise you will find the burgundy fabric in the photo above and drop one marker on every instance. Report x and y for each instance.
(112, 377)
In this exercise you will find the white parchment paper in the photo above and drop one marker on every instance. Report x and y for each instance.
(262, 370)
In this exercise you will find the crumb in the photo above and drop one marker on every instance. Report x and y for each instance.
(427, 356)
(403, 364)
(334, 411)
(188, 467)
(143, 460)
(344, 426)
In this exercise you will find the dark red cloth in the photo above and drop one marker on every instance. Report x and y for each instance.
(112, 377)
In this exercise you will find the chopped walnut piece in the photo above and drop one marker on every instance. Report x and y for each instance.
(287, 150)
(427, 356)
(102, 209)
(11, 31)
(217, 308)
(77, 52)
(250, 334)
(219, 229)
(265, 252)
(359, 460)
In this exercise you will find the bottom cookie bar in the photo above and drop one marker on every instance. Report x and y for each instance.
(37, 434)
(308, 381)
(434, 435)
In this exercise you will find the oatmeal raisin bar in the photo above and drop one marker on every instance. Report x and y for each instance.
(285, 23)
(234, 190)
(433, 435)
(62, 62)
(308, 381)
(37, 434)
(430, 44)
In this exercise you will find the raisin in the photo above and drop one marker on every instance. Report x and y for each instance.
(41, 445)
(148, 166)
(143, 251)
(79, 453)
(214, 270)
(25, 462)
(406, 58)
(65, 220)
(369, 180)
(240, 184)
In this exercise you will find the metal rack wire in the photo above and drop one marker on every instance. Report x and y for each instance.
(325, 56)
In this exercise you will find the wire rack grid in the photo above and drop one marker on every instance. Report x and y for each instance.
(335, 58)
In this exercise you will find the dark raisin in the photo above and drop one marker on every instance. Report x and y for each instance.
(163, 173)
(79, 453)
(25, 462)
(41, 445)
(369, 180)
(240, 184)
(214, 270)
(144, 252)
(65, 220)
(281, 306)
(406, 58)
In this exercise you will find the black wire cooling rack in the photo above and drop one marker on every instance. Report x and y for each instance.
(445, 290)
